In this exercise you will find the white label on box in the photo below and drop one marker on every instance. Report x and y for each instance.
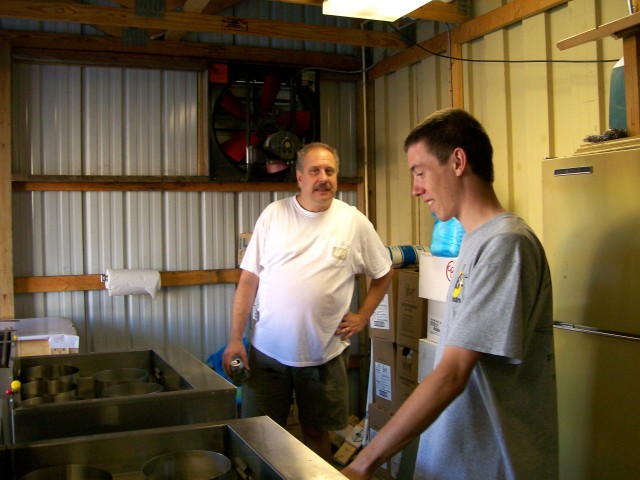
(433, 332)
(64, 341)
(380, 317)
(383, 381)
(435, 317)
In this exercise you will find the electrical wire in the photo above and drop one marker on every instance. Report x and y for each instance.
(332, 70)
(413, 43)
(472, 60)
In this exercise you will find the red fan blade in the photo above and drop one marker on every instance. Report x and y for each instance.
(234, 105)
(303, 122)
(236, 146)
(270, 91)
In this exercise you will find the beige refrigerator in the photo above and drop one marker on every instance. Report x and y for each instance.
(591, 214)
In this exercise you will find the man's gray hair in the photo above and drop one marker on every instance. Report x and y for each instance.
(302, 154)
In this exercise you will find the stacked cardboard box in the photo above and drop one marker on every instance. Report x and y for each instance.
(394, 353)
(395, 357)
(378, 417)
(382, 324)
(404, 333)
(436, 274)
(411, 310)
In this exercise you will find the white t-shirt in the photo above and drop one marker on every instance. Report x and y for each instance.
(307, 262)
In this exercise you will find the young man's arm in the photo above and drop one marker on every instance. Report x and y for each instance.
(430, 398)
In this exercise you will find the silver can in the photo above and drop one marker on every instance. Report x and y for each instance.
(239, 374)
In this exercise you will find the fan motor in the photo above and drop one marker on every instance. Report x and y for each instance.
(283, 144)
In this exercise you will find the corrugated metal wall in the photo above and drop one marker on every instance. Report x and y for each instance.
(530, 110)
(110, 121)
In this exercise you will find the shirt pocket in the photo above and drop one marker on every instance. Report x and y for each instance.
(337, 252)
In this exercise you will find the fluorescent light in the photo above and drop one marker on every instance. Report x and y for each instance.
(388, 10)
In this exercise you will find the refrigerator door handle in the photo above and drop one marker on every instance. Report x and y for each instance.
(561, 172)
(596, 331)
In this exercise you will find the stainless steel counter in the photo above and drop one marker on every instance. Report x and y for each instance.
(257, 447)
(192, 393)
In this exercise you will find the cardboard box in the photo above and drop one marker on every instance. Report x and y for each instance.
(403, 388)
(383, 355)
(31, 348)
(435, 276)
(407, 363)
(44, 336)
(426, 357)
(406, 379)
(243, 241)
(412, 310)
(382, 323)
(378, 418)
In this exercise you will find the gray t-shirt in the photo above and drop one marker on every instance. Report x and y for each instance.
(504, 425)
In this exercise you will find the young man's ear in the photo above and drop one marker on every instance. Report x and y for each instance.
(459, 160)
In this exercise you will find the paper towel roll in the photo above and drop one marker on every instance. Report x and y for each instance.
(132, 282)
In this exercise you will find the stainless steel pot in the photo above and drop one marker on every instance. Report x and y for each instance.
(188, 465)
(117, 376)
(68, 472)
(66, 373)
(45, 391)
(62, 391)
(33, 389)
(132, 388)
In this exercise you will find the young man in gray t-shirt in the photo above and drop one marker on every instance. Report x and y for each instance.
(488, 408)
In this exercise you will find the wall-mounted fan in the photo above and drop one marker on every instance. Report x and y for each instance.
(258, 121)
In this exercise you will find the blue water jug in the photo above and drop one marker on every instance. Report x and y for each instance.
(446, 238)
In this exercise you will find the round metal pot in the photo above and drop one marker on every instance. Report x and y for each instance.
(188, 465)
(33, 401)
(62, 391)
(68, 472)
(33, 389)
(43, 391)
(66, 373)
(131, 388)
(117, 376)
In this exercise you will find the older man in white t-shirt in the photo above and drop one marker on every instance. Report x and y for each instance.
(301, 264)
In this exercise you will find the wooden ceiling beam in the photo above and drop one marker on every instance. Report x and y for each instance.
(190, 6)
(118, 31)
(200, 6)
(440, 12)
(168, 4)
(107, 51)
(216, 6)
(196, 22)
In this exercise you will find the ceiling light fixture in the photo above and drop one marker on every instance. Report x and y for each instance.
(387, 10)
